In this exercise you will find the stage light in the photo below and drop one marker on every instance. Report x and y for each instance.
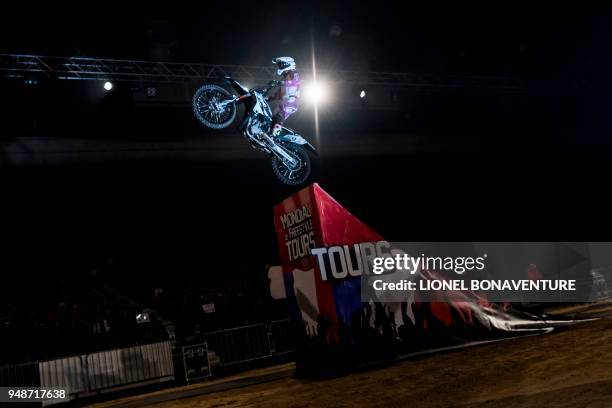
(317, 92)
(362, 94)
(108, 85)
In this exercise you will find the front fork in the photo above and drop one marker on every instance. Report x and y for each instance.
(268, 145)
(278, 151)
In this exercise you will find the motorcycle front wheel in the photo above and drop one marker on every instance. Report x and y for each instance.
(211, 108)
(292, 175)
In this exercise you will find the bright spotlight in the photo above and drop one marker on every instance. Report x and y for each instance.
(316, 92)
(362, 94)
(108, 85)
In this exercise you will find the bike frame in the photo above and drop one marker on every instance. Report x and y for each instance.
(250, 98)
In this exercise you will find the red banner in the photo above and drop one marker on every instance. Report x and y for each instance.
(333, 309)
(308, 219)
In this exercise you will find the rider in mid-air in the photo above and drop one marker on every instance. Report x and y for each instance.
(215, 107)
(288, 92)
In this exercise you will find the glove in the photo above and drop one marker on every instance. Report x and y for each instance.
(273, 83)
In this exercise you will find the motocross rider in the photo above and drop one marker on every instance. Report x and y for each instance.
(288, 92)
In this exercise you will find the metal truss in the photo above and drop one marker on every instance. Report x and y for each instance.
(79, 68)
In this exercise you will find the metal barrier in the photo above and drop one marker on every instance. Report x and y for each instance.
(20, 375)
(248, 343)
(282, 336)
(88, 374)
(93, 373)
(238, 345)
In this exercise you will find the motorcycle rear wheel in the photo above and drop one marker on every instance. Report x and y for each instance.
(207, 109)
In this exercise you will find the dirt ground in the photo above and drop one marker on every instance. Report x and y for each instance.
(568, 368)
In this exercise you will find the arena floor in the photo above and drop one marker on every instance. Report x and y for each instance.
(567, 368)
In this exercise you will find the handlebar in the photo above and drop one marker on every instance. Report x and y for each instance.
(272, 84)
(263, 89)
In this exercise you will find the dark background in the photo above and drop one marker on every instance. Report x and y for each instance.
(504, 167)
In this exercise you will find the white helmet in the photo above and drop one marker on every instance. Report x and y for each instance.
(284, 64)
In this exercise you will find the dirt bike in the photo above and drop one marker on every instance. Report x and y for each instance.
(215, 108)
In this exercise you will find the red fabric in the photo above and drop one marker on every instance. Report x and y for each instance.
(333, 225)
